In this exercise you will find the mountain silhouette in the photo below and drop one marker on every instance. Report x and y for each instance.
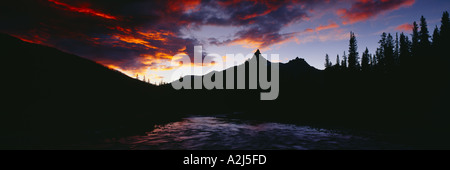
(297, 68)
(51, 93)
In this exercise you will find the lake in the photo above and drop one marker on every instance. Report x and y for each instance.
(211, 133)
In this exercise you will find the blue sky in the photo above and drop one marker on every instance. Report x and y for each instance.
(142, 36)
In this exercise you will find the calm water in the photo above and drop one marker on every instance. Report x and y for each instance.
(223, 133)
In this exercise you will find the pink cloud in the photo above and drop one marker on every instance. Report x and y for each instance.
(404, 27)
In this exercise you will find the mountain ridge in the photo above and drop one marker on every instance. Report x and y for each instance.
(50, 92)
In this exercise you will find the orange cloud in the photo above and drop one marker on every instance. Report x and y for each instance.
(84, 10)
(162, 68)
(121, 29)
(134, 40)
(308, 30)
(247, 43)
(159, 36)
(329, 26)
(111, 66)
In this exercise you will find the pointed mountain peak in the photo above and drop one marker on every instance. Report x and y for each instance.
(257, 53)
(257, 56)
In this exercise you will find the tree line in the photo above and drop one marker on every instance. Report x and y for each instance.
(399, 52)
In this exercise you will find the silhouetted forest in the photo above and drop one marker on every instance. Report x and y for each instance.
(55, 99)
(404, 84)
(398, 53)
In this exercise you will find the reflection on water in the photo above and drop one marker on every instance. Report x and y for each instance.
(223, 133)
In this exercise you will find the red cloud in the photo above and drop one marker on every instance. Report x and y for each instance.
(182, 5)
(83, 10)
(365, 9)
(257, 14)
(404, 27)
(271, 6)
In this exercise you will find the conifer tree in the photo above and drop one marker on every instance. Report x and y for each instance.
(373, 62)
(338, 61)
(424, 36)
(396, 49)
(405, 49)
(344, 61)
(389, 53)
(365, 60)
(444, 40)
(445, 29)
(381, 50)
(327, 62)
(353, 62)
(436, 37)
(415, 38)
(414, 46)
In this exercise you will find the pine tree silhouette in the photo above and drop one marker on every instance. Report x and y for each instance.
(396, 50)
(445, 28)
(444, 37)
(405, 49)
(435, 38)
(373, 62)
(338, 61)
(381, 51)
(344, 61)
(424, 47)
(424, 36)
(327, 62)
(353, 62)
(389, 53)
(365, 60)
(414, 46)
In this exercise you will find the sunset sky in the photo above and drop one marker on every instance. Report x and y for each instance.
(142, 36)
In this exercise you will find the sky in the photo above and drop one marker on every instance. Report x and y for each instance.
(141, 37)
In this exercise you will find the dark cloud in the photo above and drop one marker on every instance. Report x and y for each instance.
(362, 10)
(121, 33)
(137, 34)
(260, 21)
